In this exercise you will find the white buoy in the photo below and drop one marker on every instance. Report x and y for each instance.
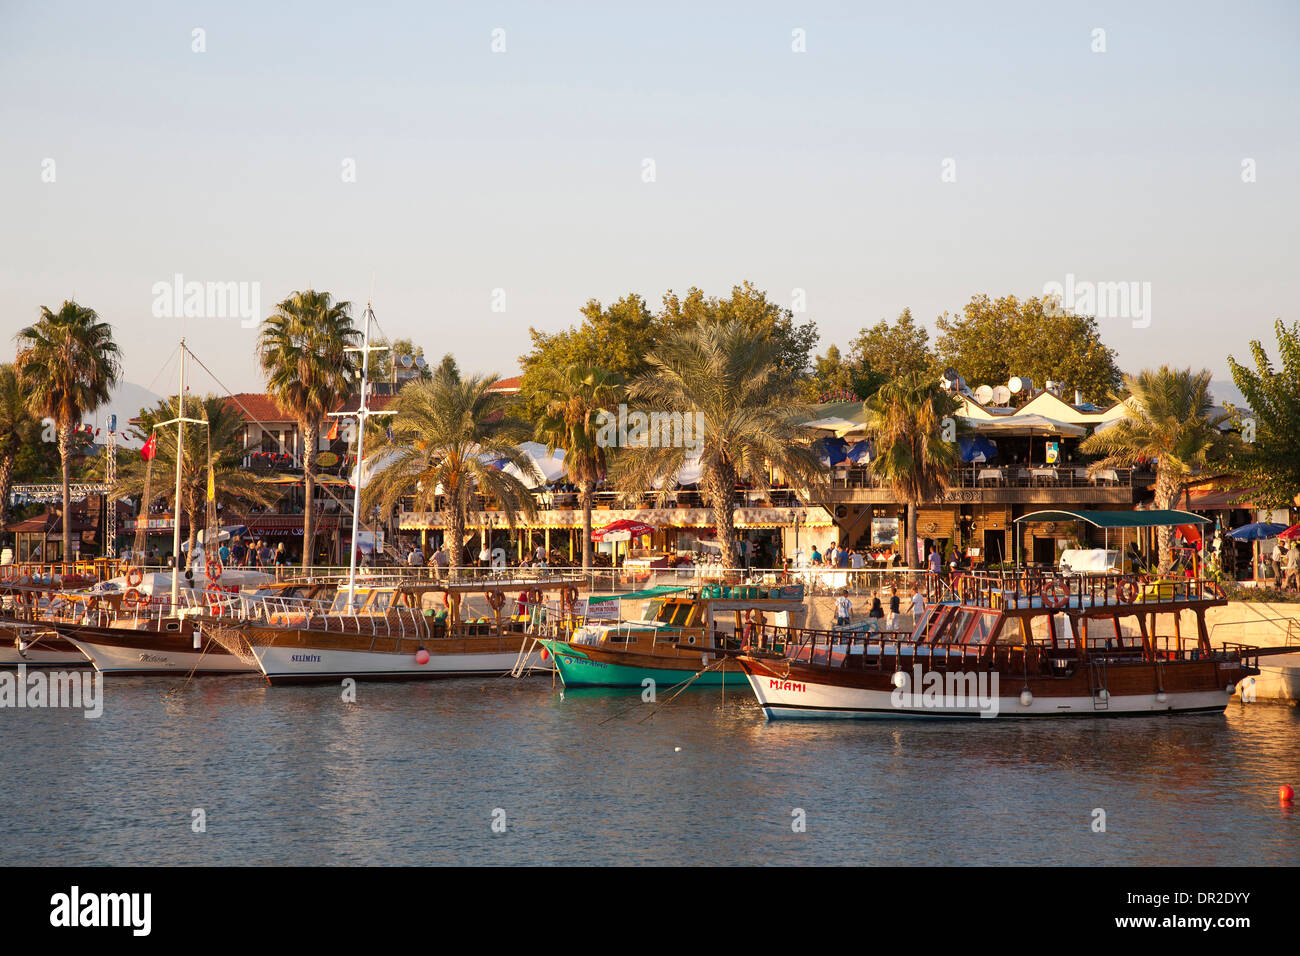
(1104, 695)
(1026, 698)
(677, 750)
(899, 679)
(1162, 697)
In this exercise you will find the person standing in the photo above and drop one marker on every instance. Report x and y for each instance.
(843, 610)
(1292, 578)
(918, 606)
(895, 618)
(936, 561)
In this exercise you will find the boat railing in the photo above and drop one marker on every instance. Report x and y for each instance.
(1002, 589)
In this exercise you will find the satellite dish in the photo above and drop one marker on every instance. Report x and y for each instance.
(406, 361)
(984, 394)
(1001, 395)
(1018, 385)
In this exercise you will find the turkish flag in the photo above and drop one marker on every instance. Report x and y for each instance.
(334, 431)
(150, 448)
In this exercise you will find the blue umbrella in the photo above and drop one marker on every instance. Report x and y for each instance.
(1257, 531)
(972, 445)
(831, 450)
(861, 453)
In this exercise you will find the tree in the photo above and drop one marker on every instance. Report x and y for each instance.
(19, 430)
(993, 340)
(906, 418)
(576, 395)
(447, 439)
(235, 486)
(1170, 420)
(735, 400)
(1270, 455)
(303, 349)
(886, 352)
(68, 363)
(759, 317)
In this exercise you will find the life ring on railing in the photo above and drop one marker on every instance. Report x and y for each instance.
(131, 598)
(1126, 591)
(1055, 593)
(568, 599)
(535, 598)
(133, 577)
(214, 571)
(496, 599)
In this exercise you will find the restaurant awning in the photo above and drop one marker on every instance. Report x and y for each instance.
(1027, 425)
(654, 592)
(1119, 519)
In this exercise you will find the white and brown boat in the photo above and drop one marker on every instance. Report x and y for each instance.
(1014, 645)
(37, 645)
(400, 630)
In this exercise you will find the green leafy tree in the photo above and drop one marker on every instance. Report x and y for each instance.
(1171, 420)
(1270, 458)
(235, 486)
(68, 364)
(993, 340)
(738, 393)
(445, 437)
(576, 395)
(755, 313)
(886, 352)
(303, 349)
(914, 456)
(19, 430)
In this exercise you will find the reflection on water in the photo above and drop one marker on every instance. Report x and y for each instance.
(412, 774)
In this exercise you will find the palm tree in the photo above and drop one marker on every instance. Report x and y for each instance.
(735, 402)
(1171, 420)
(68, 363)
(574, 397)
(906, 417)
(19, 429)
(234, 485)
(303, 349)
(446, 440)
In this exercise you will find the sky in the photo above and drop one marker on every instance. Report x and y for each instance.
(478, 169)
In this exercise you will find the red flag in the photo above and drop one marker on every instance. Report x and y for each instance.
(334, 431)
(150, 448)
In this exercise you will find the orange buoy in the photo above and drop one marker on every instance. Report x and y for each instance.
(545, 655)
(422, 656)
(1285, 794)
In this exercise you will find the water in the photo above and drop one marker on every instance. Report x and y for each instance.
(412, 773)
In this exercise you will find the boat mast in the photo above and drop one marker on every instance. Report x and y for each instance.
(176, 510)
(362, 413)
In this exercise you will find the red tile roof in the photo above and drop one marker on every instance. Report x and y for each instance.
(258, 406)
(508, 384)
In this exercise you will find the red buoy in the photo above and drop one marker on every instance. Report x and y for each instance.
(544, 654)
(1285, 794)
(422, 656)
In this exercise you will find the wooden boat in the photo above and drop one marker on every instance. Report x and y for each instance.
(1011, 646)
(670, 644)
(37, 646)
(398, 630)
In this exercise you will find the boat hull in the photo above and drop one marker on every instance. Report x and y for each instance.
(147, 653)
(586, 667)
(810, 693)
(294, 656)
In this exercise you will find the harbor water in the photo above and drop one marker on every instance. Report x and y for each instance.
(503, 771)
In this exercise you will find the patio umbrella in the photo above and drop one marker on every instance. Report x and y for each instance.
(624, 530)
(1291, 534)
(551, 467)
(1257, 531)
(977, 447)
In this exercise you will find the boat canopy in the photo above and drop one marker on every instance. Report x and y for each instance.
(654, 592)
(1158, 518)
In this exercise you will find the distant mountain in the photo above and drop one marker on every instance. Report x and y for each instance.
(1225, 391)
(128, 398)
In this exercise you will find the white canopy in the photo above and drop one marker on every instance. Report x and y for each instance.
(1028, 425)
(550, 466)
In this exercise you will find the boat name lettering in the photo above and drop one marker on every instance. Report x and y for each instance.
(774, 684)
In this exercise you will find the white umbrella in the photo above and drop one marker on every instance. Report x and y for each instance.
(550, 466)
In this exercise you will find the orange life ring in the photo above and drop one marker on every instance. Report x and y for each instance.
(535, 597)
(496, 599)
(569, 598)
(1126, 591)
(134, 576)
(132, 597)
(212, 596)
(214, 571)
(1055, 593)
